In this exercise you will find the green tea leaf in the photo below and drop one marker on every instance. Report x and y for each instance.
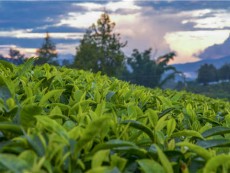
(197, 149)
(29, 156)
(92, 130)
(26, 67)
(133, 151)
(118, 162)
(139, 126)
(148, 166)
(6, 65)
(27, 114)
(164, 160)
(37, 143)
(187, 133)
(100, 109)
(115, 143)
(104, 169)
(50, 94)
(13, 163)
(109, 95)
(171, 125)
(99, 157)
(161, 123)
(214, 162)
(166, 111)
(52, 126)
(216, 131)
(5, 89)
(214, 143)
(11, 128)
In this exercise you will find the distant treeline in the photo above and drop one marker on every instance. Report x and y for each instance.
(208, 73)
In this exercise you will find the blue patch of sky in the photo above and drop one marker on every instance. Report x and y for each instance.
(24, 14)
(185, 5)
(32, 43)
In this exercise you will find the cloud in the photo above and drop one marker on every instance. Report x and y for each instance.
(29, 52)
(191, 43)
(217, 50)
(67, 48)
(210, 19)
(31, 35)
(162, 25)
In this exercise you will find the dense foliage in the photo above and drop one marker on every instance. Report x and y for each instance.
(56, 119)
(149, 72)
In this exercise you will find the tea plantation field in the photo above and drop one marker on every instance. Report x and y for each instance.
(60, 120)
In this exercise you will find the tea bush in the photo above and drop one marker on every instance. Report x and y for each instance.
(55, 119)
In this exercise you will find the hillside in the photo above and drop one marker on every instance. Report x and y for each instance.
(55, 119)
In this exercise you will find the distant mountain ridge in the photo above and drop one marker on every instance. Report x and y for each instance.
(190, 69)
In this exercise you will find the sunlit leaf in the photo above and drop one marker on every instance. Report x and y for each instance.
(197, 149)
(187, 133)
(99, 157)
(214, 162)
(148, 166)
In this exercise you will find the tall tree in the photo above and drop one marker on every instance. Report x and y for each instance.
(148, 72)
(100, 48)
(47, 52)
(207, 73)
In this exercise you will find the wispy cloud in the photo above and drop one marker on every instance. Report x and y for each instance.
(210, 19)
(30, 35)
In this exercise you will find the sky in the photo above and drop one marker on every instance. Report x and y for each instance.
(194, 29)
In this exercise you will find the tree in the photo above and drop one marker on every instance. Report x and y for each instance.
(100, 48)
(148, 72)
(224, 72)
(207, 73)
(47, 52)
(16, 54)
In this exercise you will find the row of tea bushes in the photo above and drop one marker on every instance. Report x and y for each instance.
(55, 119)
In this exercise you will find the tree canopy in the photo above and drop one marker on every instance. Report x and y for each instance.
(100, 48)
(149, 72)
(16, 54)
(207, 73)
(224, 72)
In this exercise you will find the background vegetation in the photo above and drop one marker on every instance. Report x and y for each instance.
(101, 50)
